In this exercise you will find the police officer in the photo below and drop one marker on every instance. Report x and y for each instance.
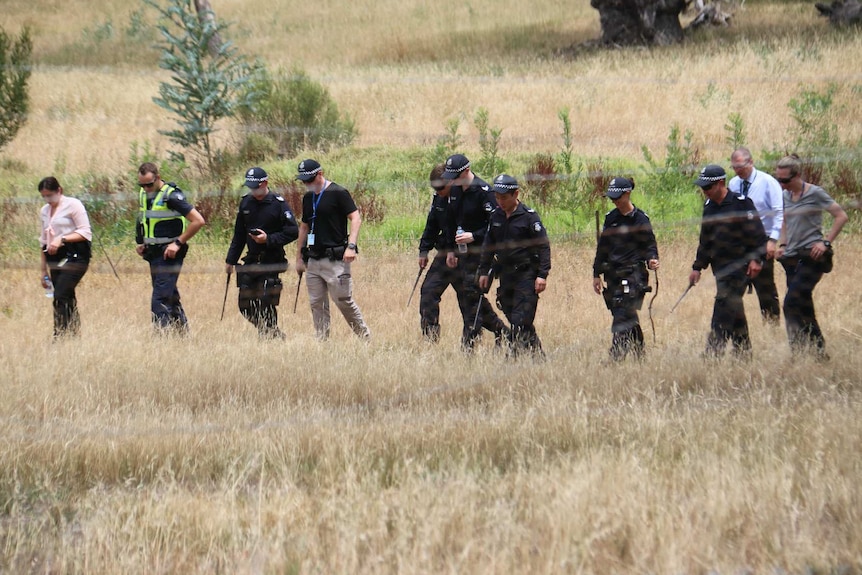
(733, 242)
(166, 222)
(626, 248)
(516, 248)
(439, 276)
(471, 201)
(264, 224)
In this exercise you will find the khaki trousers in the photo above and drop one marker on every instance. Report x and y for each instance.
(325, 278)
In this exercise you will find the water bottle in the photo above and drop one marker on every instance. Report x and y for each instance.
(461, 247)
(49, 286)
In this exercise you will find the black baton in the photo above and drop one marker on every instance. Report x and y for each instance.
(224, 301)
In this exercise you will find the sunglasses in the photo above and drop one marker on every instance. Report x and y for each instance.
(148, 184)
(785, 180)
(709, 187)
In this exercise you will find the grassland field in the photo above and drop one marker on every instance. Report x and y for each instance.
(123, 452)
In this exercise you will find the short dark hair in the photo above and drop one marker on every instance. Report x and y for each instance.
(436, 177)
(148, 168)
(50, 183)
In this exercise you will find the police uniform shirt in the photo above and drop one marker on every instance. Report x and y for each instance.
(434, 234)
(517, 240)
(731, 235)
(270, 214)
(170, 228)
(470, 208)
(624, 241)
(330, 224)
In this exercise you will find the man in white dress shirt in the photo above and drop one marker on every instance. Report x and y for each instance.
(767, 196)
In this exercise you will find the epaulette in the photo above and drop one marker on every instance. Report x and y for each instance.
(279, 198)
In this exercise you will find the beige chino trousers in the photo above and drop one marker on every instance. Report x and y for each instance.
(326, 278)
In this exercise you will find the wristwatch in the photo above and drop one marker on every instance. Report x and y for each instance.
(352, 246)
(63, 240)
(827, 243)
(178, 242)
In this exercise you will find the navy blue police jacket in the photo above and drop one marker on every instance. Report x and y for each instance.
(625, 240)
(516, 243)
(270, 214)
(731, 235)
(470, 208)
(434, 235)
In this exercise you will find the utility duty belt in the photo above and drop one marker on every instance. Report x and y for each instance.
(520, 266)
(335, 254)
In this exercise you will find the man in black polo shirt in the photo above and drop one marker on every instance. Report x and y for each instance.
(264, 224)
(471, 201)
(326, 249)
(733, 242)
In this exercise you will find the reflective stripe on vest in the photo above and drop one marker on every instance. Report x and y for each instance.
(159, 212)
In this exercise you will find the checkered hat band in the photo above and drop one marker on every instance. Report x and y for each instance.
(712, 178)
(311, 173)
(615, 190)
(506, 186)
(458, 170)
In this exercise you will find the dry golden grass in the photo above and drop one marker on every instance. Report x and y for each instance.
(124, 453)
(403, 69)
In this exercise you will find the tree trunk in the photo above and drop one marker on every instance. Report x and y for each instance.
(207, 14)
(651, 22)
(841, 12)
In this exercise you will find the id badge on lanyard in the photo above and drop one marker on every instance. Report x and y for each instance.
(314, 202)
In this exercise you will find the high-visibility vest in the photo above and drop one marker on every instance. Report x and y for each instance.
(159, 212)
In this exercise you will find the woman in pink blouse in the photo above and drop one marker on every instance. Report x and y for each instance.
(65, 240)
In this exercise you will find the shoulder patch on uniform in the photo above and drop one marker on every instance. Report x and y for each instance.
(485, 188)
(179, 196)
(279, 198)
(530, 210)
(750, 215)
(489, 207)
(537, 226)
(288, 214)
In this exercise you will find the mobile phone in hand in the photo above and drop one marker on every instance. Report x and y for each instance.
(255, 232)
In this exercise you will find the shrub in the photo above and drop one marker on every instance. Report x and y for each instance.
(294, 112)
(449, 143)
(371, 204)
(490, 164)
(540, 179)
(14, 74)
